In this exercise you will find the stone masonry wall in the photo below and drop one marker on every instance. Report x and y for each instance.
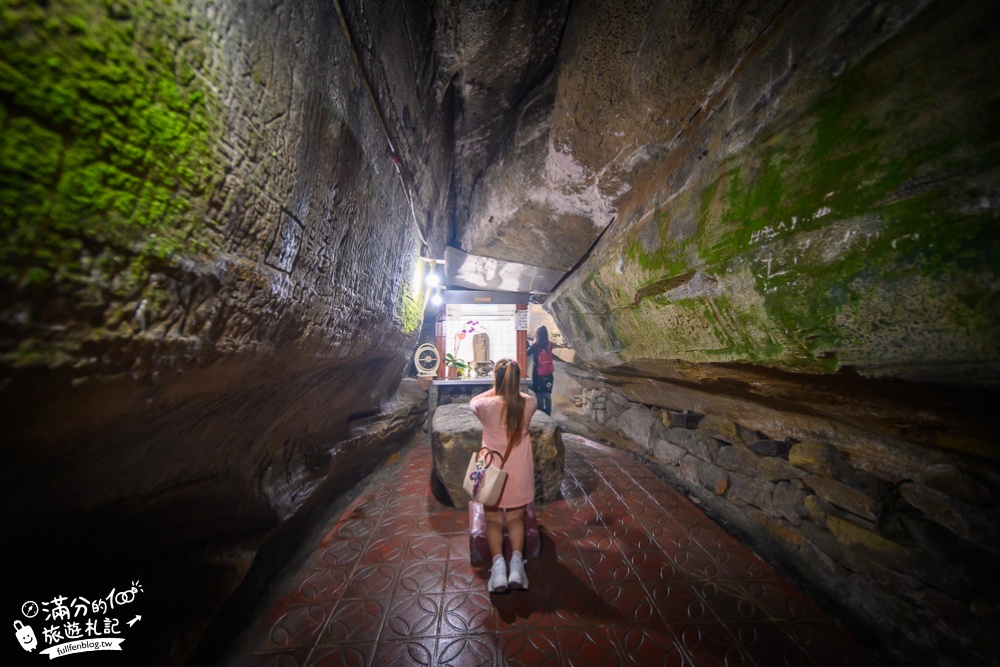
(908, 550)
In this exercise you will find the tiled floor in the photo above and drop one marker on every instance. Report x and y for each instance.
(630, 573)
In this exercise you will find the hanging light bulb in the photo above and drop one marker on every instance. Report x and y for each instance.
(436, 300)
(432, 279)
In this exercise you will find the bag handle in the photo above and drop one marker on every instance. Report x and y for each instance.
(490, 455)
(486, 455)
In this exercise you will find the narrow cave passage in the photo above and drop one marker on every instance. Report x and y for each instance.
(763, 237)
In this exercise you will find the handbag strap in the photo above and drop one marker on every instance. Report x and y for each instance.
(503, 461)
(488, 456)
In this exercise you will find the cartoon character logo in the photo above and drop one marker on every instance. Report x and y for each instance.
(26, 636)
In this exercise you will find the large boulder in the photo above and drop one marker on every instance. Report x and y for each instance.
(456, 433)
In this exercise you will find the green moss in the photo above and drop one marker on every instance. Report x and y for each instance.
(411, 312)
(868, 192)
(108, 139)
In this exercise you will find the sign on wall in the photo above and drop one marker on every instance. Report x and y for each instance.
(521, 320)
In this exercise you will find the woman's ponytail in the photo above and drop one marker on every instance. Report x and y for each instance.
(507, 385)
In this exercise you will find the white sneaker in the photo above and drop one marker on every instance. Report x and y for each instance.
(518, 579)
(498, 576)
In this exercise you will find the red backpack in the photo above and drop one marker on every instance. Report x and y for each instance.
(544, 364)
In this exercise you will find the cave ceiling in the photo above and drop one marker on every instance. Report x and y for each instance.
(558, 110)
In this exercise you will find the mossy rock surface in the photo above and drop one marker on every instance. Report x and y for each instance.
(107, 142)
(858, 228)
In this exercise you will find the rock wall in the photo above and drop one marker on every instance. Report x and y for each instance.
(898, 539)
(827, 201)
(207, 266)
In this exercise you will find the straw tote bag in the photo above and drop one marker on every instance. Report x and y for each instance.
(484, 480)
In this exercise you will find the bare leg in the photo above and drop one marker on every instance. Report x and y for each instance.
(515, 528)
(494, 529)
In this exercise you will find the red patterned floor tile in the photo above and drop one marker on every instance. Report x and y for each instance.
(427, 547)
(389, 549)
(630, 601)
(342, 655)
(714, 538)
(670, 536)
(568, 566)
(689, 516)
(606, 499)
(356, 528)
(412, 616)
(607, 566)
(298, 627)
(367, 506)
(394, 526)
(581, 511)
(653, 566)
(587, 647)
(462, 576)
(406, 653)
(779, 600)
(354, 621)
(578, 607)
(523, 610)
(373, 580)
(421, 577)
(678, 601)
(594, 537)
(326, 583)
(740, 564)
(528, 649)
(651, 647)
(404, 506)
(572, 489)
(730, 600)
(467, 612)
(645, 514)
(696, 563)
(710, 644)
(342, 553)
(458, 546)
(617, 520)
(632, 537)
(468, 651)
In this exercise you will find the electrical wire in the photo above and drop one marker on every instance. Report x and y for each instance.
(396, 159)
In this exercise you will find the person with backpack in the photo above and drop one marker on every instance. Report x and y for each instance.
(542, 370)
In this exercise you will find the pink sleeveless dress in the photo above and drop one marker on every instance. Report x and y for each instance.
(520, 467)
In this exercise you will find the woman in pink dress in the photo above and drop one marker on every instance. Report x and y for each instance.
(506, 415)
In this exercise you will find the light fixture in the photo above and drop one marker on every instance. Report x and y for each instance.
(436, 300)
(433, 279)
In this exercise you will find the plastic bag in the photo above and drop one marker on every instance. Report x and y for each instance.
(479, 548)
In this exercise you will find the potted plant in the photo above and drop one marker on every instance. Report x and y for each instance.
(458, 366)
